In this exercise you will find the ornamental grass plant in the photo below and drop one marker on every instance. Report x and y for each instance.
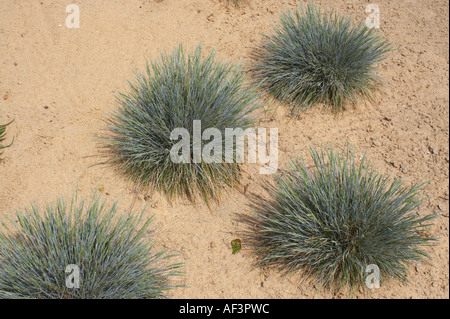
(313, 57)
(172, 93)
(114, 253)
(334, 217)
(2, 137)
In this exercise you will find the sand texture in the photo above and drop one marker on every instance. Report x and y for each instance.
(58, 84)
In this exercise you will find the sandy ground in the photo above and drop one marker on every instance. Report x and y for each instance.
(58, 84)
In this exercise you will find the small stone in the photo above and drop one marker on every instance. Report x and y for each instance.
(376, 143)
(101, 188)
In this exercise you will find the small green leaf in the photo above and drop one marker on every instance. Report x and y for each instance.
(236, 245)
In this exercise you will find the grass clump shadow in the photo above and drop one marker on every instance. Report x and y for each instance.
(113, 254)
(313, 57)
(175, 91)
(335, 219)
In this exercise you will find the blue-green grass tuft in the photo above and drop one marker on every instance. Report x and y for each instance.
(114, 253)
(2, 137)
(313, 57)
(173, 92)
(335, 217)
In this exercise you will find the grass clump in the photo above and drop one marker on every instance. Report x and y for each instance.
(315, 58)
(173, 92)
(2, 137)
(112, 253)
(334, 219)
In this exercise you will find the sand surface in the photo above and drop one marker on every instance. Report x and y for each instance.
(58, 85)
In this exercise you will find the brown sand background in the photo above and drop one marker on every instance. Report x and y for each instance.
(58, 84)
